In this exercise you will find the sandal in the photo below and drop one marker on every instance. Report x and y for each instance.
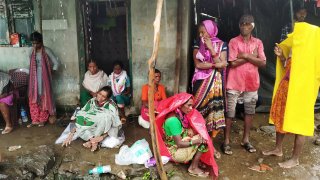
(7, 130)
(201, 174)
(32, 125)
(226, 149)
(217, 154)
(41, 125)
(247, 146)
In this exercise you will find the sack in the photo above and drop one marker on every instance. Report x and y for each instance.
(138, 153)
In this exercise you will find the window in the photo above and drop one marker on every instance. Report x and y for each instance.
(16, 16)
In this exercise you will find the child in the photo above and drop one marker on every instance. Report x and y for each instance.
(120, 84)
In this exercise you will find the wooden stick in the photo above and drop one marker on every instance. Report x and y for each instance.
(40, 15)
(151, 63)
(178, 48)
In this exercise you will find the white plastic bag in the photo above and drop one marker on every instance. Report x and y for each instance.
(112, 142)
(138, 153)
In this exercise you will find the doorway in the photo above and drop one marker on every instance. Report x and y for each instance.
(106, 32)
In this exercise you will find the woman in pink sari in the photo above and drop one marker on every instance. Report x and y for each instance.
(182, 135)
(42, 62)
(210, 60)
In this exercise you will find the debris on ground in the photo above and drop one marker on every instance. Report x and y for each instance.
(14, 148)
(261, 168)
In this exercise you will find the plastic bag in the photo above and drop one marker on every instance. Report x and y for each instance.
(112, 142)
(138, 153)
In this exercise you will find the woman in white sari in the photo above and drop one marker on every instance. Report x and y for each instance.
(94, 79)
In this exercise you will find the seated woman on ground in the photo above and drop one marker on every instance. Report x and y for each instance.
(120, 84)
(96, 120)
(94, 79)
(6, 100)
(159, 94)
(182, 134)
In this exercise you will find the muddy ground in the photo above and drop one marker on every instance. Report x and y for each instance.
(76, 159)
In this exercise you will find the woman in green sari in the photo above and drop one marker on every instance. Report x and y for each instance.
(96, 120)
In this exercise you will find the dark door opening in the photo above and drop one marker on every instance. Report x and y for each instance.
(106, 33)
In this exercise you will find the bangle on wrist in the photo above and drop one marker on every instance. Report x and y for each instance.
(190, 142)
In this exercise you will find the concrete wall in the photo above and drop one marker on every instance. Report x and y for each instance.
(142, 17)
(63, 42)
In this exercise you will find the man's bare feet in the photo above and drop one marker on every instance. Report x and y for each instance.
(275, 152)
(289, 164)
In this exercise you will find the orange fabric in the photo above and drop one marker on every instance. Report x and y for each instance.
(278, 106)
(159, 94)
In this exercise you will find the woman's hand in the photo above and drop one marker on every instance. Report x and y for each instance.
(93, 94)
(220, 65)
(67, 142)
(209, 45)
(199, 141)
(278, 51)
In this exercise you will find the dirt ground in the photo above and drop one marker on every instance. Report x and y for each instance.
(231, 167)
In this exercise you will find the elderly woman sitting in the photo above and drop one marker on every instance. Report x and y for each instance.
(182, 134)
(96, 120)
(6, 100)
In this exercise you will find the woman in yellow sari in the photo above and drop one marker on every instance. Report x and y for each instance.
(296, 89)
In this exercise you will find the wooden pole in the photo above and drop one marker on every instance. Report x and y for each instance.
(40, 15)
(178, 48)
(151, 63)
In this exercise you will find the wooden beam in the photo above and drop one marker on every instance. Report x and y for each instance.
(178, 48)
(151, 63)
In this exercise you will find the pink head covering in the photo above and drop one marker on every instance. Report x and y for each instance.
(212, 29)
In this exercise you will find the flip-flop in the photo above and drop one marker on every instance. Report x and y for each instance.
(41, 125)
(217, 154)
(32, 125)
(247, 146)
(202, 174)
(226, 149)
(7, 130)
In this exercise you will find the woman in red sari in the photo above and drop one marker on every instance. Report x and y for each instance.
(182, 135)
(42, 62)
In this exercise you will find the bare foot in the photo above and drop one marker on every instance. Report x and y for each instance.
(94, 146)
(87, 144)
(197, 172)
(289, 164)
(275, 152)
